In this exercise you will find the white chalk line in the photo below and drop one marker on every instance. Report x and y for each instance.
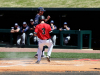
(80, 64)
(11, 65)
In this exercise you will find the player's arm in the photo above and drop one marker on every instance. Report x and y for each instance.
(36, 20)
(60, 29)
(67, 28)
(17, 30)
(36, 31)
(26, 29)
(55, 27)
(32, 28)
(12, 31)
(52, 27)
(48, 17)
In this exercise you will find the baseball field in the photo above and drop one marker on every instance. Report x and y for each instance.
(21, 60)
(51, 3)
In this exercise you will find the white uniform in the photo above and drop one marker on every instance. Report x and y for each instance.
(54, 36)
(43, 43)
(42, 30)
(23, 35)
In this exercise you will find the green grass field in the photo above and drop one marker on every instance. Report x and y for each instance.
(54, 55)
(51, 3)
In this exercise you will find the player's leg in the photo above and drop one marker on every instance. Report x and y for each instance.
(40, 47)
(34, 38)
(18, 39)
(54, 40)
(50, 47)
(43, 54)
(23, 38)
(67, 39)
(31, 35)
(36, 55)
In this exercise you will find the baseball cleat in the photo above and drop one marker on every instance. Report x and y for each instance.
(37, 62)
(36, 56)
(48, 58)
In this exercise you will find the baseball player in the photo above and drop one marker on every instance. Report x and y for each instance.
(53, 27)
(67, 37)
(31, 27)
(24, 29)
(43, 30)
(40, 12)
(31, 24)
(16, 29)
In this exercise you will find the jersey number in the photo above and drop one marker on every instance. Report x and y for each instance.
(43, 31)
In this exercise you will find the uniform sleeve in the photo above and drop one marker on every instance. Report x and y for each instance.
(36, 22)
(55, 27)
(26, 28)
(19, 28)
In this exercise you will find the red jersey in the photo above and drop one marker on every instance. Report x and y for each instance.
(42, 30)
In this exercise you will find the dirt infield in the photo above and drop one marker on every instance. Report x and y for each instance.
(53, 66)
(56, 65)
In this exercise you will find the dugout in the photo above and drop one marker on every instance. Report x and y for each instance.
(77, 18)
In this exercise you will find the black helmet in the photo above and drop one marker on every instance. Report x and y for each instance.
(42, 18)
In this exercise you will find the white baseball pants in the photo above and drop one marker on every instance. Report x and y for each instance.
(21, 37)
(40, 47)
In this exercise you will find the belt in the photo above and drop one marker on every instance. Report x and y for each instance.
(45, 39)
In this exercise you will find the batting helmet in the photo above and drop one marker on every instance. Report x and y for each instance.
(42, 18)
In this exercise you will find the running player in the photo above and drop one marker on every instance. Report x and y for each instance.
(43, 30)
